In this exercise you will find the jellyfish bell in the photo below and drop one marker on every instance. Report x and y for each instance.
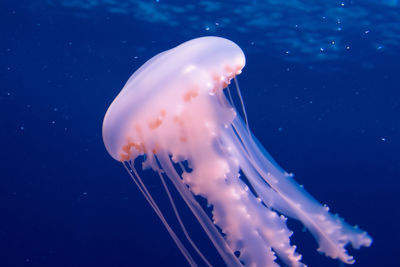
(159, 97)
(173, 109)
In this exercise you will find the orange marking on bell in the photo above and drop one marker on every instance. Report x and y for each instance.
(216, 77)
(126, 148)
(183, 139)
(238, 70)
(224, 81)
(231, 76)
(228, 69)
(178, 120)
(157, 122)
(155, 149)
(139, 148)
(191, 94)
(123, 157)
(186, 97)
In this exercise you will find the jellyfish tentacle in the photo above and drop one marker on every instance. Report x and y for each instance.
(178, 217)
(143, 189)
(242, 103)
(228, 89)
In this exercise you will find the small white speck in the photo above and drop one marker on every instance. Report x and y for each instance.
(379, 47)
(383, 139)
(366, 32)
(339, 29)
(287, 52)
(216, 24)
(347, 47)
(333, 42)
(207, 28)
(321, 49)
(53, 122)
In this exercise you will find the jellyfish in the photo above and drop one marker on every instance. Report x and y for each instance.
(176, 113)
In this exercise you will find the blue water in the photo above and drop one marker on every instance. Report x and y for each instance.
(321, 88)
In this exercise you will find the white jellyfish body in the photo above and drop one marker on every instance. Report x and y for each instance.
(173, 109)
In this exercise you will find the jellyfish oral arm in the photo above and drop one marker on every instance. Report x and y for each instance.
(212, 232)
(279, 191)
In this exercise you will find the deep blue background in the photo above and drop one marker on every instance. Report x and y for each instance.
(64, 201)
